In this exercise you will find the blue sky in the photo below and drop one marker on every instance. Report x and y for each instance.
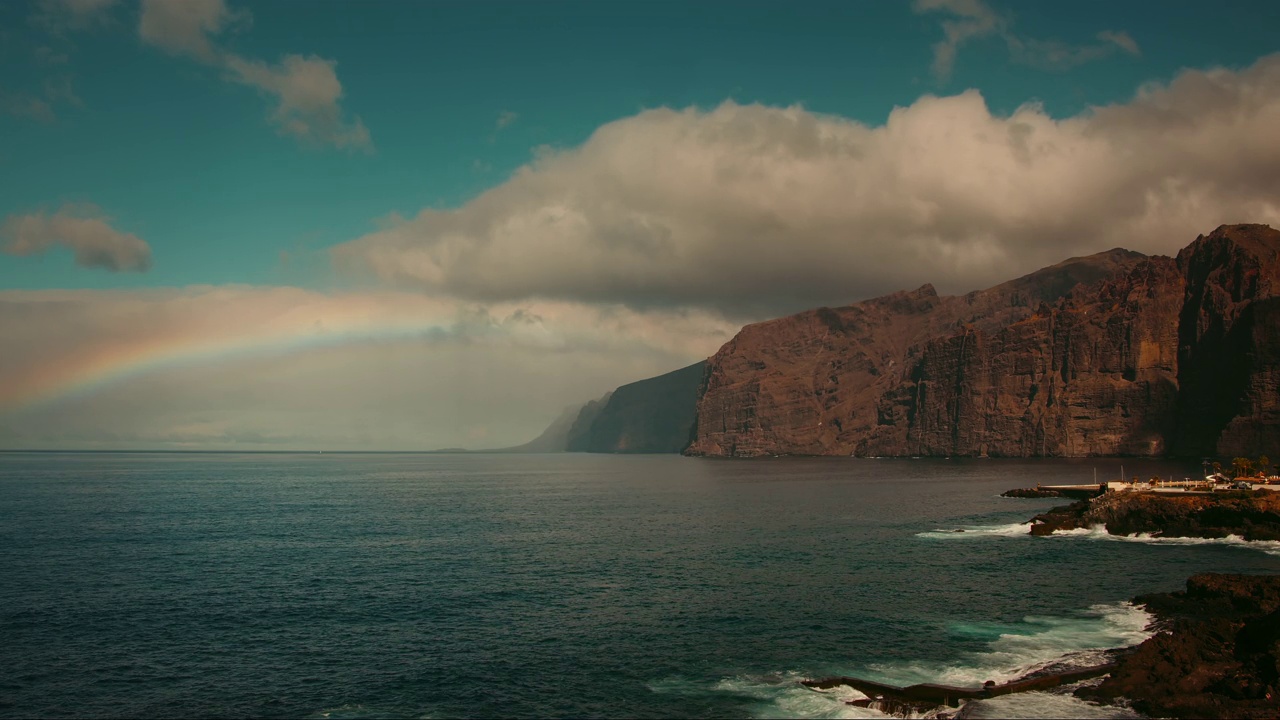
(411, 225)
(175, 154)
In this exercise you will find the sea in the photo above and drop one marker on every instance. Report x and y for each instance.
(552, 586)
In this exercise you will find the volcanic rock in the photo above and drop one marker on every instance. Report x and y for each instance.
(1111, 354)
(1251, 515)
(1034, 492)
(1217, 654)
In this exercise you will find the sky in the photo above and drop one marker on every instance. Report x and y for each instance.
(389, 225)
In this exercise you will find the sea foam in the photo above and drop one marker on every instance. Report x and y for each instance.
(976, 532)
(1035, 643)
(1271, 547)
(973, 532)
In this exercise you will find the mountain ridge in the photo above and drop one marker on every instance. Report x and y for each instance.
(1111, 354)
(1083, 358)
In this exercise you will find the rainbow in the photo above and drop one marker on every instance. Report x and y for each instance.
(86, 372)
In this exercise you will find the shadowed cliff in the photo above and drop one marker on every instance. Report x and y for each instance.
(649, 416)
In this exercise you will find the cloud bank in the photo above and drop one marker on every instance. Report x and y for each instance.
(84, 231)
(757, 211)
(305, 89)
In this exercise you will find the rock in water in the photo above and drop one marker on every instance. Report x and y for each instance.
(1030, 493)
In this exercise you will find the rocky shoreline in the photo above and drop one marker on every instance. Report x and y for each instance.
(1216, 653)
(1217, 650)
(1251, 515)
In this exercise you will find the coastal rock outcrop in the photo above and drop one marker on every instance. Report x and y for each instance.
(1111, 354)
(1035, 492)
(1251, 515)
(1217, 654)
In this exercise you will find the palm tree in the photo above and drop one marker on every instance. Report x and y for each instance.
(1241, 466)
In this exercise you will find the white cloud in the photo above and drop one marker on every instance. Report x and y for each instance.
(759, 210)
(974, 19)
(50, 54)
(83, 230)
(27, 106)
(58, 91)
(185, 27)
(307, 92)
(305, 89)
(1056, 55)
(505, 118)
(1121, 40)
(971, 19)
(231, 366)
(59, 16)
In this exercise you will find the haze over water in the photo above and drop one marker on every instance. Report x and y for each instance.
(554, 585)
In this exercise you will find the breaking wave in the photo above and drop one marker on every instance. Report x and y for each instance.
(1043, 705)
(1271, 547)
(1036, 643)
(970, 532)
(974, 532)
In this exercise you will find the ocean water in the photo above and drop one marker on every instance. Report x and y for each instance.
(437, 586)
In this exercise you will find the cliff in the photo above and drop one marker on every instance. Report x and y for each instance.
(650, 416)
(1229, 343)
(1111, 354)
(578, 438)
(1217, 655)
(555, 438)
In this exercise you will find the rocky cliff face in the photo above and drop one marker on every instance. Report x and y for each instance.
(1113, 354)
(649, 416)
(1229, 343)
(578, 438)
